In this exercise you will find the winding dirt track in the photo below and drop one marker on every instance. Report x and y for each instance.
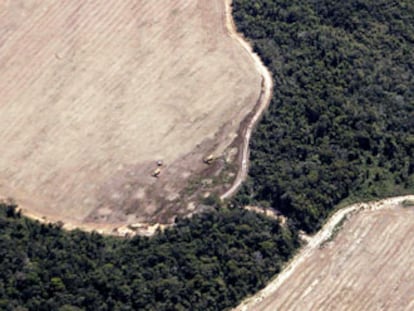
(305, 276)
(264, 101)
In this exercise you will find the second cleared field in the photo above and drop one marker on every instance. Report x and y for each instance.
(369, 265)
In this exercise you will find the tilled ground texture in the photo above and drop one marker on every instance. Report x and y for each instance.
(93, 93)
(369, 265)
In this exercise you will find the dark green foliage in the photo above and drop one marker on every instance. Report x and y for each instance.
(207, 263)
(341, 122)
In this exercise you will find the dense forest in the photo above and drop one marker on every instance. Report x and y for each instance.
(340, 126)
(207, 263)
(341, 122)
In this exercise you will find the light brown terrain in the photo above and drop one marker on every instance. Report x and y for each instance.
(367, 265)
(93, 93)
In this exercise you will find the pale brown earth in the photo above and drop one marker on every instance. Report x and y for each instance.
(93, 93)
(367, 265)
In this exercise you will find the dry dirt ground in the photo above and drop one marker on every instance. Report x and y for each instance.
(93, 93)
(367, 265)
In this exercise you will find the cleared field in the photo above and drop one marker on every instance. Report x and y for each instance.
(93, 93)
(369, 265)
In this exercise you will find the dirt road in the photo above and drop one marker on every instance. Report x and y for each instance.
(271, 295)
(264, 100)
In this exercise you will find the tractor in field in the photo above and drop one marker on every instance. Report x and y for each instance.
(156, 172)
(209, 159)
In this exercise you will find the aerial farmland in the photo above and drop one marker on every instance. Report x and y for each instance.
(96, 96)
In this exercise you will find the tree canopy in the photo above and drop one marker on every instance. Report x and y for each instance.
(341, 121)
(207, 263)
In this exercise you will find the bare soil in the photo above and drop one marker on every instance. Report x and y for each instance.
(361, 260)
(93, 93)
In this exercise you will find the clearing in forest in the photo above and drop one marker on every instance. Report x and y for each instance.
(367, 265)
(94, 93)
